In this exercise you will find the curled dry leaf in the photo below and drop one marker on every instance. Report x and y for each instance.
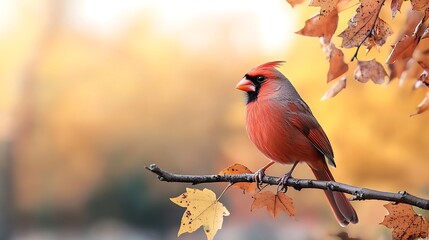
(337, 66)
(202, 209)
(405, 223)
(240, 169)
(326, 7)
(335, 89)
(321, 26)
(365, 27)
(370, 70)
(423, 106)
(275, 203)
(395, 6)
(293, 3)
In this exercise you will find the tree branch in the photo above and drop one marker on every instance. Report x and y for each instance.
(358, 193)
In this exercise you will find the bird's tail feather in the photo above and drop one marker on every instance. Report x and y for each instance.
(340, 205)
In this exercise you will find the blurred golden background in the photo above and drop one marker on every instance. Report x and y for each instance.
(93, 91)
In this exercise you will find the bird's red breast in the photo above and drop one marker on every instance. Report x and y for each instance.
(269, 126)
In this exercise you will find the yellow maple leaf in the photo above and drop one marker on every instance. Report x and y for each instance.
(275, 203)
(202, 209)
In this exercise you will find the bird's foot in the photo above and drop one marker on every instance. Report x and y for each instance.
(282, 183)
(258, 176)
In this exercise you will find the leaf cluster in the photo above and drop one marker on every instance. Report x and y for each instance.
(367, 28)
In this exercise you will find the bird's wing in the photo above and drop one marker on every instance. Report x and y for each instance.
(301, 117)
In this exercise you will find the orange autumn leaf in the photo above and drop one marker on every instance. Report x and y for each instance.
(337, 66)
(370, 70)
(405, 223)
(399, 59)
(321, 26)
(275, 203)
(240, 169)
(326, 7)
(403, 49)
(335, 89)
(293, 3)
(423, 106)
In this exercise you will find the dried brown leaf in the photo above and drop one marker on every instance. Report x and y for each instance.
(275, 203)
(400, 61)
(370, 70)
(321, 26)
(356, 32)
(404, 222)
(326, 6)
(404, 49)
(335, 89)
(379, 35)
(365, 27)
(423, 106)
(395, 6)
(337, 66)
(240, 169)
(413, 19)
(420, 5)
(293, 3)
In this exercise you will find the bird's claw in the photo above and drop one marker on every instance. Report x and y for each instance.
(282, 183)
(258, 176)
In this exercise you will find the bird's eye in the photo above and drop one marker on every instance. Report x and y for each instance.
(260, 79)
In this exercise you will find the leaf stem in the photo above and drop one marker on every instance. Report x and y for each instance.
(224, 191)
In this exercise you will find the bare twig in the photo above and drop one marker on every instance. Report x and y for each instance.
(359, 193)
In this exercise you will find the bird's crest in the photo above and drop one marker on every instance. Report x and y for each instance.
(271, 64)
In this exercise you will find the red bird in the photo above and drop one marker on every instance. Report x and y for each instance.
(283, 128)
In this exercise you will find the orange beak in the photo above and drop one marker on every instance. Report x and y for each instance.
(246, 85)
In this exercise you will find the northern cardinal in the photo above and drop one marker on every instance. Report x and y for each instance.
(283, 128)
